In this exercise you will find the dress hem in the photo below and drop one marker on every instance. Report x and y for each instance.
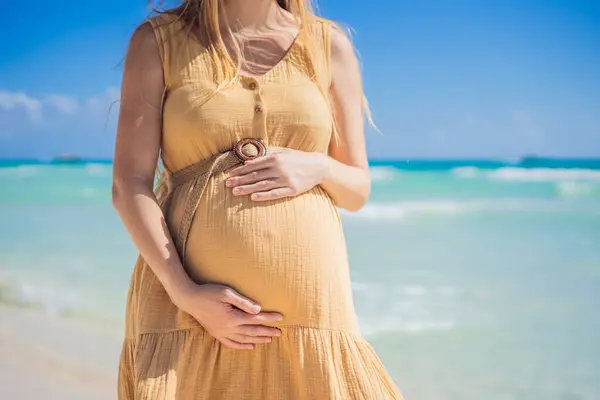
(303, 363)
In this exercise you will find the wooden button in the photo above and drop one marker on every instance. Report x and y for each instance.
(250, 150)
(258, 109)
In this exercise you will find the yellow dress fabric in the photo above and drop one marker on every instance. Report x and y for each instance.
(288, 255)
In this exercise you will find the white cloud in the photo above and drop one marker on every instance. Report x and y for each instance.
(37, 107)
(64, 104)
(113, 93)
(20, 100)
(104, 100)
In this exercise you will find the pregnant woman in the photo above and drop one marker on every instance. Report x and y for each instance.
(242, 286)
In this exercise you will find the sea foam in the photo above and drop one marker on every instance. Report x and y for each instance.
(391, 212)
(577, 189)
(381, 174)
(544, 174)
(517, 174)
(98, 169)
(19, 172)
(394, 211)
(409, 308)
(53, 299)
(465, 172)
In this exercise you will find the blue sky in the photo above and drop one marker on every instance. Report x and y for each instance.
(463, 78)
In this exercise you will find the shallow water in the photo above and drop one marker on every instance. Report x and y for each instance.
(472, 280)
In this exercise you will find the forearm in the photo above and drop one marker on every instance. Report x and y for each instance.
(348, 186)
(138, 208)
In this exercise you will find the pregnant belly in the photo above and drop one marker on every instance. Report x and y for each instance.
(288, 255)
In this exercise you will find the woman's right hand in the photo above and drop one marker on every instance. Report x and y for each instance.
(229, 317)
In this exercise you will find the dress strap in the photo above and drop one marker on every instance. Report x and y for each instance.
(166, 27)
(321, 57)
(326, 48)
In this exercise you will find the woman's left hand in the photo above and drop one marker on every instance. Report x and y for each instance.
(279, 175)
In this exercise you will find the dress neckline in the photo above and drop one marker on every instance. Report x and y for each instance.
(287, 54)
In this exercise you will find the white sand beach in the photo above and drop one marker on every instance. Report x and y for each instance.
(55, 358)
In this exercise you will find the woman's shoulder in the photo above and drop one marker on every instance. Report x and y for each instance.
(164, 24)
(336, 37)
(163, 18)
(151, 29)
(150, 41)
(144, 38)
(340, 44)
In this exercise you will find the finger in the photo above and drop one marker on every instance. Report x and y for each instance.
(260, 318)
(232, 297)
(252, 165)
(251, 339)
(250, 177)
(258, 330)
(232, 344)
(273, 194)
(260, 186)
(269, 159)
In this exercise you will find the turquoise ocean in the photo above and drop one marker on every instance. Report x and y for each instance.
(473, 280)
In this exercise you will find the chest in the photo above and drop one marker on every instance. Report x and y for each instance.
(251, 107)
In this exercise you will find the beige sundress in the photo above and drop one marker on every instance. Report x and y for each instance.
(288, 255)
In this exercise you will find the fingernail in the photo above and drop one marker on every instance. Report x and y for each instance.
(256, 308)
(236, 191)
(228, 183)
(278, 333)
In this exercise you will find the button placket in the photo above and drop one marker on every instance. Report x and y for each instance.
(260, 115)
(250, 83)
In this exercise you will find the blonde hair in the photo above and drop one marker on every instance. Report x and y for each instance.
(202, 16)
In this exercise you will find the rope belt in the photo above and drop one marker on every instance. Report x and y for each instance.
(196, 177)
